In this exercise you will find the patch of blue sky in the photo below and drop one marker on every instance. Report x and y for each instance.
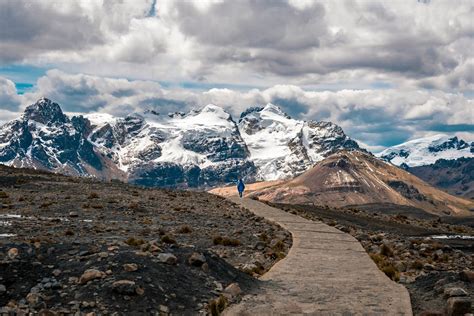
(23, 87)
(22, 74)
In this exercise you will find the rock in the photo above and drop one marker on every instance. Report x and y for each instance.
(167, 258)
(458, 306)
(73, 214)
(103, 254)
(454, 292)
(140, 290)
(90, 274)
(33, 298)
(428, 266)
(130, 267)
(12, 253)
(249, 267)
(233, 290)
(467, 276)
(164, 309)
(154, 248)
(219, 286)
(197, 259)
(125, 287)
(3, 289)
(56, 272)
(205, 267)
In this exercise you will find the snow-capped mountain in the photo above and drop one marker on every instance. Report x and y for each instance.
(196, 149)
(43, 137)
(282, 147)
(428, 150)
(201, 148)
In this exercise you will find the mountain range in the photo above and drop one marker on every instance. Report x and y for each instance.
(427, 150)
(201, 148)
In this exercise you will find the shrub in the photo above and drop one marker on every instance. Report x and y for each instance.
(385, 250)
(385, 266)
(391, 272)
(417, 264)
(279, 246)
(69, 232)
(185, 229)
(264, 237)
(225, 241)
(132, 241)
(167, 239)
(46, 204)
(217, 306)
(93, 195)
(3, 195)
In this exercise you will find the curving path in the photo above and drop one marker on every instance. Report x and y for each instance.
(326, 272)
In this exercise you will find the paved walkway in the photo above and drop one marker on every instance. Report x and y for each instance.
(326, 272)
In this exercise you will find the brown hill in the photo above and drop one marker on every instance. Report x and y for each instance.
(357, 178)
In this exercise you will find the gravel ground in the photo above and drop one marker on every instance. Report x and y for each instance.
(401, 246)
(69, 245)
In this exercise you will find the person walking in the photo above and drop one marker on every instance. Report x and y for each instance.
(240, 187)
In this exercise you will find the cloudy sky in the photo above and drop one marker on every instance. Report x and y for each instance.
(386, 71)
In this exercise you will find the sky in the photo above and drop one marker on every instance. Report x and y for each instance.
(385, 71)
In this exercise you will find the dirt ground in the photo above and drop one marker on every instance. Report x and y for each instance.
(147, 250)
(400, 244)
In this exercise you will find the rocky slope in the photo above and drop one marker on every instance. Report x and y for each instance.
(76, 246)
(426, 151)
(197, 149)
(453, 176)
(357, 178)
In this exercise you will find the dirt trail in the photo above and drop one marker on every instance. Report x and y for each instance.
(326, 272)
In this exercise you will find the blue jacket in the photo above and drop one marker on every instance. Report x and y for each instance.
(240, 186)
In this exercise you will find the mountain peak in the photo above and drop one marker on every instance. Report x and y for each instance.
(274, 109)
(45, 111)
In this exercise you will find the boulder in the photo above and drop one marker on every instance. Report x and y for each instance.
(130, 267)
(125, 287)
(90, 274)
(232, 291)
(167, 258)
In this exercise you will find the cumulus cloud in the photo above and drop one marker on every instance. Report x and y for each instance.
(406, 43)
(375, 117)
(9, 99)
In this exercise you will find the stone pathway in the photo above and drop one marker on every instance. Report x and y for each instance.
(326, 272)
